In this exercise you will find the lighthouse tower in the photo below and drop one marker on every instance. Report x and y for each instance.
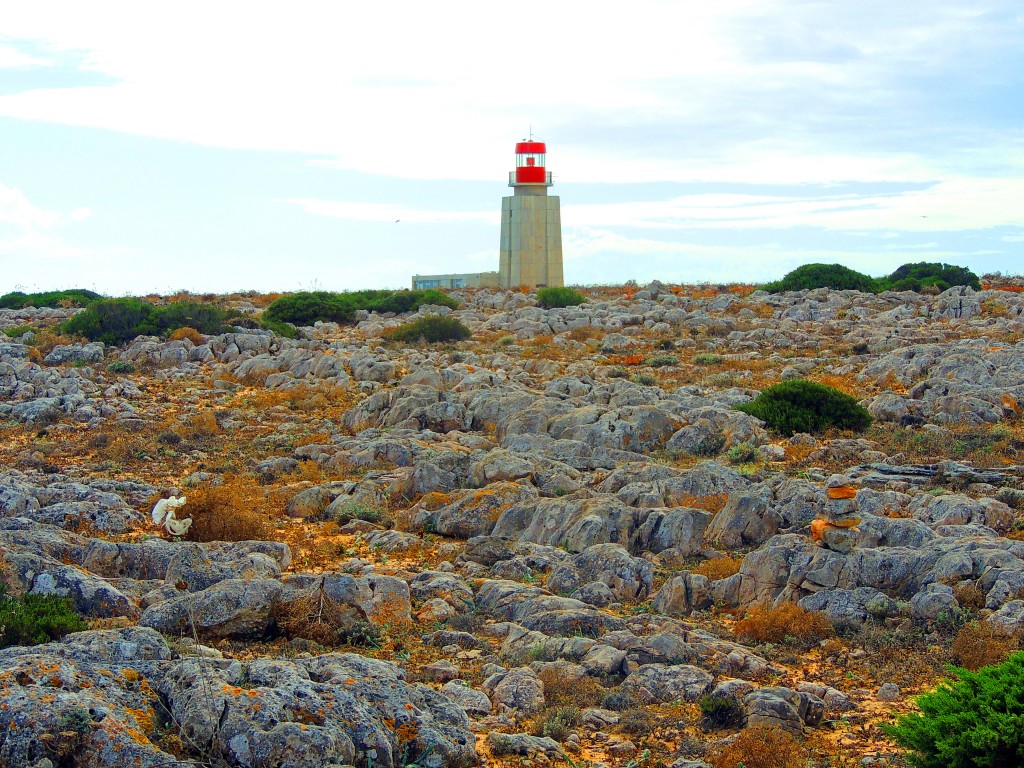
(531, 224)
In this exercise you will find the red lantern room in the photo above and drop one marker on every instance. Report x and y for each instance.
(530, 164)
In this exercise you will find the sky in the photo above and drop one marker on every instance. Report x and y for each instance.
(221, 146)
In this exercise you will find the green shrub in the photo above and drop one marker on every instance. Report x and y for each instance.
(432, 329)
(556, 722)
(72, 297)
(115, 321)
(806, 406)
(556, 297)
(720, 711)
(834, 276)
(112, 321)
(924, 274)
(307, 307)
(975, 720)
(286, 330)
(662, 361)
(33, 619)
(18, 331)
(742, 453)
(356, 511)
(707, 358)
(205, 318)
(121, 366)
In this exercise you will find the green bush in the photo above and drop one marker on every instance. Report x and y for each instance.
(834, 276)
(806, 406)
(18, 331)
(707, 358)
(286, 330)
(72, 297)
(205, 318)
(115, 321)
(975, 720)
(33, 619)
(306, 307)
(924, 274)
(121, 366)
(556, 297)
(112, 321)
(720, 711)
(432, 329)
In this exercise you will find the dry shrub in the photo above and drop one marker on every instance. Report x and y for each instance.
(317, 617)
(981, 644)
(584, 332)
(48, 338)
(719, 567)
(789, 624)
(562, 688)
(233, 511)
(969, 595)
(762, 747)
(200, 424)
(187, 333)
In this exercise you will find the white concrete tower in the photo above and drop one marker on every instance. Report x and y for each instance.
(531, 224)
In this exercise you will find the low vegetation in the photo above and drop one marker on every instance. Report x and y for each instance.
(923, 277)
(308, 307)
(972, 720)
(116, 321)
(431, 329)
(806, 406)
(72, 297)
(789, 624)
(30, 619)
(762, 747)
(232, 511)
(557, 297)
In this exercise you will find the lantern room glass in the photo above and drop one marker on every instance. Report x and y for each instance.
(530, 160)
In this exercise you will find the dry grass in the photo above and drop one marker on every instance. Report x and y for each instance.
(233, 511)
(317, 617)
(980, 644)
(719, 567)
(762, 747)
(562, 689)
(187, 333)
(789, 624)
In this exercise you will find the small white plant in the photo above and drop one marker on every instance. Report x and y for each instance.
(163, 514)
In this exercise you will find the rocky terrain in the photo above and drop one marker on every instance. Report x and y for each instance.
(535, 546)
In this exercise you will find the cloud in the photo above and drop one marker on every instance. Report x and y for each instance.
(12, 58)
(16, 209)
(953, 205)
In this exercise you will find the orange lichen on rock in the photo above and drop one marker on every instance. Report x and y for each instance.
(842, 492)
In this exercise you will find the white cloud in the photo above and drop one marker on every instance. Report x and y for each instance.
(952, 205)
(16, 209)
(12, 58)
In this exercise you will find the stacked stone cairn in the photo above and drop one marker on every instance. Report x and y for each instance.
(836, 524)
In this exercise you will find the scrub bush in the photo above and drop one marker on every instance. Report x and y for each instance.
(112, 321)
(980, 644)
(720, 711)
(806, 406)
(33, 619)
(924, 274)
(306, 307)
(556, 297)
(834, 276)
(72, 297)
(974, 720)
(432, 329)
(762, 747)
(789, 624)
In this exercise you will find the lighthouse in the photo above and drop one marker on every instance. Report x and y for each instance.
(531, 224)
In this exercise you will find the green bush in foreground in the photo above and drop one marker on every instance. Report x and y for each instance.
(72, 297)
(557, 297)
(432, 329)
(976, 720)
(806, 406)
(34, 619)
